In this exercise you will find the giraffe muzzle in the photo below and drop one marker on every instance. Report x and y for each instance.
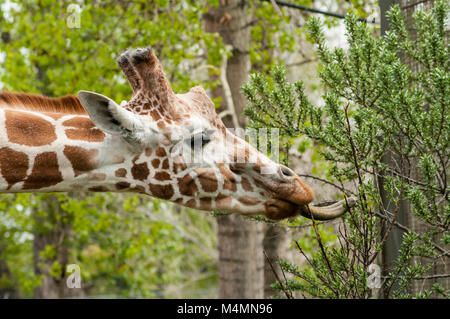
(293, 198)
(278, 209)
(289, 186)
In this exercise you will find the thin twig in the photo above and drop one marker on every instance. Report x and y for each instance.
(286, 292)
(444, 252)
(319, 240)
(276, 8)
(437, 276)
(228, 97)
(391, 224)
(284, 276)
(342, 189)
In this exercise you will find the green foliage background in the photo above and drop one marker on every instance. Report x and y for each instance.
(120, 249)
(384, 96)
(126, 245)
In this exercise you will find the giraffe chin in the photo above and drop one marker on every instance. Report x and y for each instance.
(278, 209)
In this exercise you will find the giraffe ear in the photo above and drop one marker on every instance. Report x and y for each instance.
(108, 116)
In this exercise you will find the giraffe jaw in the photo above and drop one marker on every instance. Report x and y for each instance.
(278, 209)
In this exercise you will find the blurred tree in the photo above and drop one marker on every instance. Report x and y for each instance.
(42, 52)
(392, 250)
(241, 272)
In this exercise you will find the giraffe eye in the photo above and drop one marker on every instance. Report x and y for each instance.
(199, 139)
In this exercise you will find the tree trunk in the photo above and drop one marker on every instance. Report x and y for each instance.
(241, 261)
(442, 265)
(51, 233)
(276, 246)
(7, 290)
(240, 258)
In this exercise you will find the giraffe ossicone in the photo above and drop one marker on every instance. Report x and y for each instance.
(170, 146)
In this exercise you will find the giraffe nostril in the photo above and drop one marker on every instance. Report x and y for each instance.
(286, 171)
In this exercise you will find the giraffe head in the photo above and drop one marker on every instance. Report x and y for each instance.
(182, 152)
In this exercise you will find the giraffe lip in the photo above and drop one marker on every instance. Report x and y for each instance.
(278, 209)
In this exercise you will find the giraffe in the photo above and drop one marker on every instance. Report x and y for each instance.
(90, 143)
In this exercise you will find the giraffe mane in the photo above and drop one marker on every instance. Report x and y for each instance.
(65, 104)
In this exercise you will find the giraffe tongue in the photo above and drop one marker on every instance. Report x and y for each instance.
(329, 211)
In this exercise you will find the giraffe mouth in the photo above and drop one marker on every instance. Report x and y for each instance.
(279, 209)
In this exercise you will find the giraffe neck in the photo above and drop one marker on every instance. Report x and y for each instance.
(58, 152)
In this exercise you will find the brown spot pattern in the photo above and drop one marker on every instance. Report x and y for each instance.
(165, 164)
(83, 129)
(161, 152)
(89, 135)
(155, 115)
(82, 160)
(161, 191)
(155, 162)
(209, 183)
(28, 129)
(121, 172)
(162, 176)
(140, 171)
(187, 186)
(13, 165)
(45, 172)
